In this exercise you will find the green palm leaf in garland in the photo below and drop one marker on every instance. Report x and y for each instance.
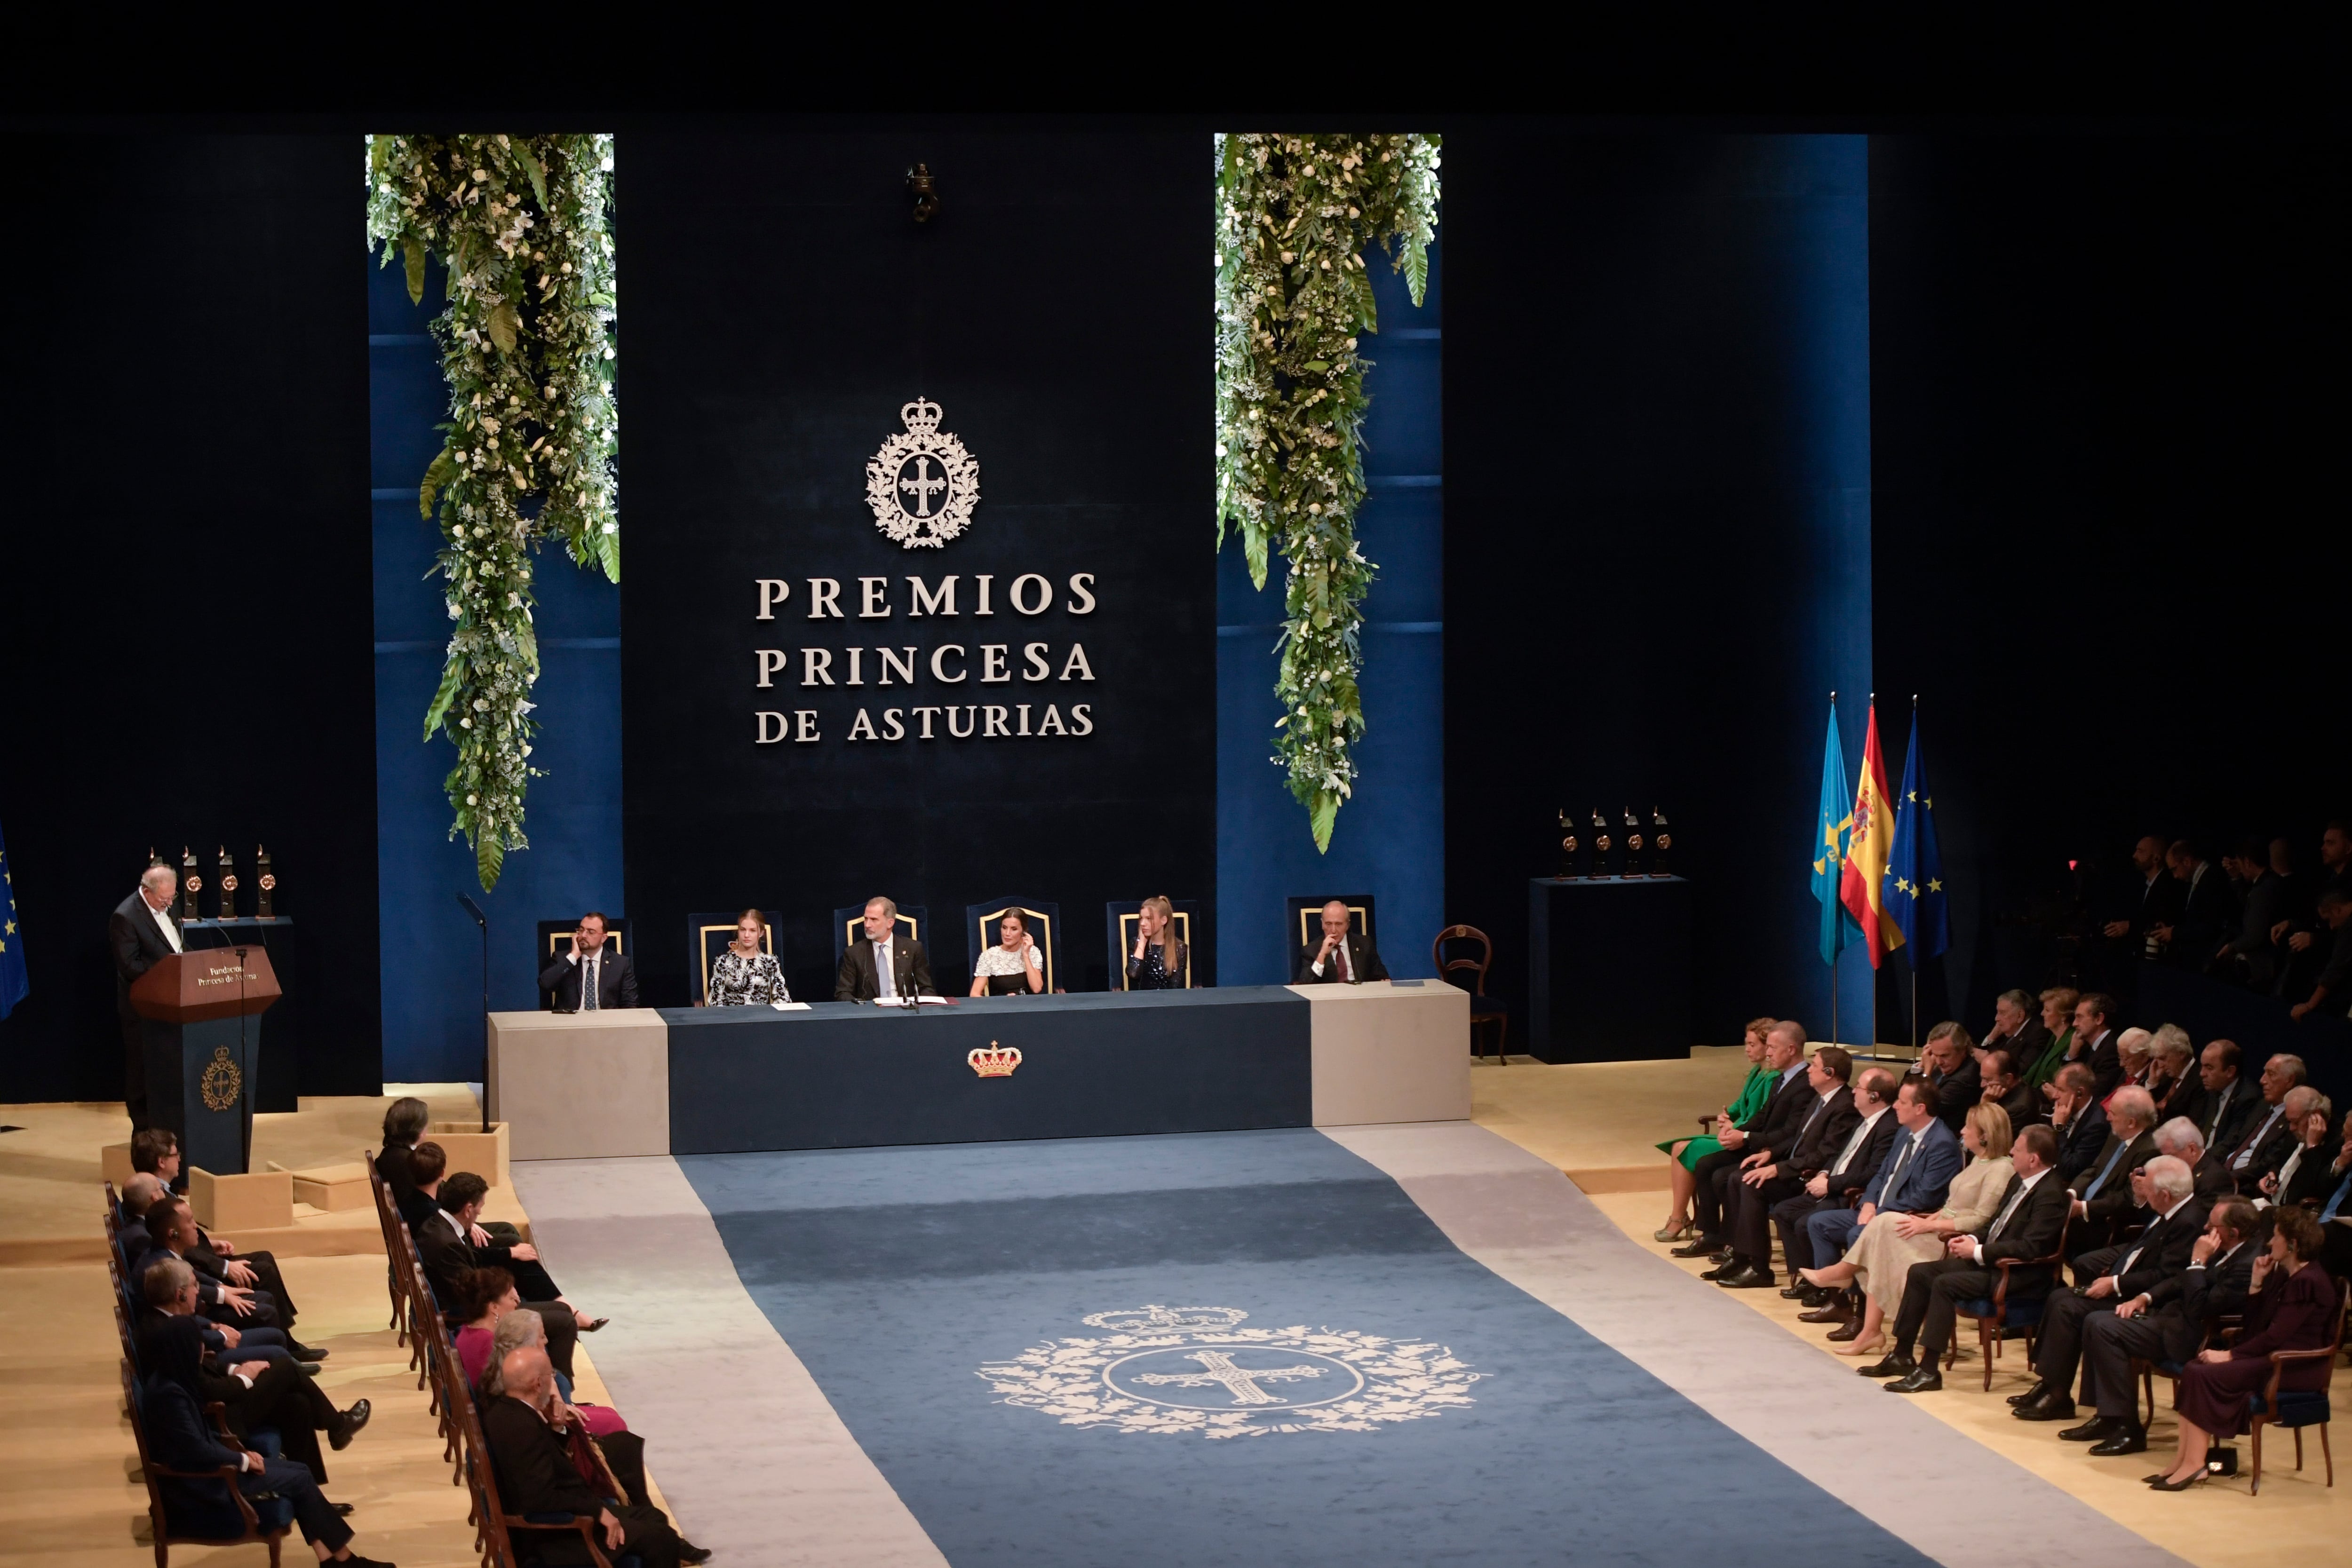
(1296, 215)
(522, 226)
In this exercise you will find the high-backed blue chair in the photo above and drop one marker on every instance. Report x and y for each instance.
(1303, 924)
(1120, 925)
(2296, 1408)
(555, 938)
(205, 1508)
(1042, 916)
(708, 935)
(914, 921)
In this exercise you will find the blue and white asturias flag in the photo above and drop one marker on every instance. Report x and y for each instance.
(1914, 889)
(13, 982)
(1837, 929)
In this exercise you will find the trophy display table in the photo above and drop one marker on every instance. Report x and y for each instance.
(1609, 968)
(202, 1012)
(690, 1080)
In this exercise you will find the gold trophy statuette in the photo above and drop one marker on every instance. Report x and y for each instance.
(191, 883)
(1660, 841)
(228, 885)
(1600, 845)
(1569, 846)
(267, 882)
(1633, 844)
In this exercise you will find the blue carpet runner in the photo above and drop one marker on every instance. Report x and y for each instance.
(1287, 1361)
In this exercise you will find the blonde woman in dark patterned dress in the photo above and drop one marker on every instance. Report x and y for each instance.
(745, 974)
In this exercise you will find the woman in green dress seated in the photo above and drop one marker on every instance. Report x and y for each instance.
(2058, 1017)
(1683, 1155)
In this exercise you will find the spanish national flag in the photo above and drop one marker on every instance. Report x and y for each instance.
(1867, 851)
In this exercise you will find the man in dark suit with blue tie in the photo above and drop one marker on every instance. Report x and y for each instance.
(1917, 1173)
(593, 975)
(2102, 1191)
(2025, 1226)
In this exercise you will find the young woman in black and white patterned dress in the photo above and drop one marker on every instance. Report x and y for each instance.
(745, 974)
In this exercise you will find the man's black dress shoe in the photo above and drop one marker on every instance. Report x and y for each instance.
(1745, 1277)
(1720, 1269)
(2096, 1429)
(1845, 1333)
(1896, 1364)
(2031, 1394)
(1832, 1310)
(305, 1352)
(1923, 1380)
(1720, 1255)
(2130, 1440)
(690, 1552)
(347, 1425)
(1797, 1292)
(344, 1509)
(1698, 1247)
(2049, 1408)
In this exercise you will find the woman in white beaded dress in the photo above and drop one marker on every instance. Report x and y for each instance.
(1881, 1256)
(1013, 964)
(746, 973)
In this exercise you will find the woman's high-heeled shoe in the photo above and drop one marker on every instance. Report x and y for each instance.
(592, 1325)
(1870, 1346)
(1676, 1231)
(2161, 1484)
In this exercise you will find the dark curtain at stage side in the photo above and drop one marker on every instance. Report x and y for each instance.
(782, 305)
(1658, 536)
(2105, 379)
(184, 602)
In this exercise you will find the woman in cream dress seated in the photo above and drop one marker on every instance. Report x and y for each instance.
(1881, 1256)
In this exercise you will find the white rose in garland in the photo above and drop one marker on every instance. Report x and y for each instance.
(1295, 216)
(521, 223)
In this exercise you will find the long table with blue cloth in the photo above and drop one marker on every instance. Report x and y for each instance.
(695, 1081)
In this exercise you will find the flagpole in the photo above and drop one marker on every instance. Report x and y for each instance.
(1913, 958)
(1840, 953)
(1873, 1042)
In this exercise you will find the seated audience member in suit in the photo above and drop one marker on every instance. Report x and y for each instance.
(2104, 1280)
(1683, 1155)
(539, 1469)
(2015, 1027)
(1013, 967)
(404, 1122)
(255, 1394)
(443, 1247)
(745, 974)
(2269, 1134)
(156, 1153)
(2329, 996)
(2225, 1100)
(2058, 1023)
(882, 965)
(1158, 963)
(2164, 1322)
(2096, 1043)
(1772, 1126)
(2305, 1176)
(1842, 1184)
(2135, 1048)
(426, 1163)
(178, 1436)
(139, 1194)
(520, 1328)
(1767, 1177)
(2174, 1083)
(2078, 1119)
(1950, 1065)
(590, 976)
(226, 1344)
(2210, 1178)
(172, 1233)
(1339, 957)
(142, 932)
(2291, 1307)
(1997, 1070)
(2027, 1225)
(1881, 1258)
(2102, 1192)
(1916, 1179)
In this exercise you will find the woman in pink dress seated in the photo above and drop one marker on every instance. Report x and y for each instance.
(487, 1297)
(2292, 1308)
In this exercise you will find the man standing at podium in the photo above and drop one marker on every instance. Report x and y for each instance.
(588, 979)
(143, 932)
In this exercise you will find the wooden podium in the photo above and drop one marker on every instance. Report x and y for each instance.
(203, 1049)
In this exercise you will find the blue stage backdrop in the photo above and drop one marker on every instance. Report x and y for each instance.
(1659, 427)
(816, 712)
(432, 950)
(1391, 838)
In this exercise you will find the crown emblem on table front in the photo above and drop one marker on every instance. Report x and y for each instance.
(995, 1061)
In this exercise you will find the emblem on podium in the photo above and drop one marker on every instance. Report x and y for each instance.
(922, 484)
(223, 1081)
(995, 1061)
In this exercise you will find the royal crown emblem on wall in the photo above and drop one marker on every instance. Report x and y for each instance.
(996, 1062)
(922, 484)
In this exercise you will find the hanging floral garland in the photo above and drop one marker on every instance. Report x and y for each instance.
(1295, 216)
(521, 225)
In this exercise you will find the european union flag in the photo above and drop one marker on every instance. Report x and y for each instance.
(1837, 929)
(13, 981)
(1914, 890)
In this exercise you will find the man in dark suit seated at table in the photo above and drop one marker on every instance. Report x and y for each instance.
(881, 965)
(1340, 958)
(2026, 1224)
(588, 979)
